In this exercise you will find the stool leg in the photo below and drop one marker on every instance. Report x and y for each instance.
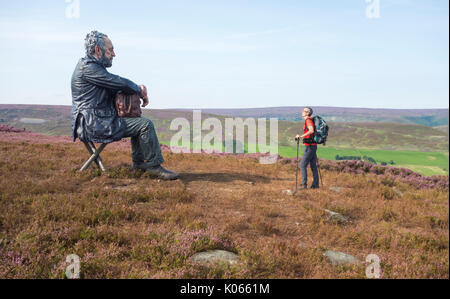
(91, 151)
(99, 160)
(93, 157)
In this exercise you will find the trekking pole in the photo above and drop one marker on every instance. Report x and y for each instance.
(296, 167)
(320, 174)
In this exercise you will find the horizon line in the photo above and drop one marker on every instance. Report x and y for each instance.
(268, 107)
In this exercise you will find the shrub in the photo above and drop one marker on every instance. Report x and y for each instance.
(387, 193)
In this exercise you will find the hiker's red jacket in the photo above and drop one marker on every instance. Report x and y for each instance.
(308, 140)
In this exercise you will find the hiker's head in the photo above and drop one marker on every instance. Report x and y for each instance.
(100, 46)
(307, 112)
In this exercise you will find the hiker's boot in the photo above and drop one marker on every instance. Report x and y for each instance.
(303, 187)
(314, 187)
(162, 173)
(140, 166)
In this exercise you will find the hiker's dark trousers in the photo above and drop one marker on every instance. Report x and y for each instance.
(310, 157)
(144, 141)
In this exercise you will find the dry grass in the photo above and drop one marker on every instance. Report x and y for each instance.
(124, 224)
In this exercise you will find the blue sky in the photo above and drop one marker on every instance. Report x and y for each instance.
(236, 54)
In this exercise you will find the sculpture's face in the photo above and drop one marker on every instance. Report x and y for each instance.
(107, 56)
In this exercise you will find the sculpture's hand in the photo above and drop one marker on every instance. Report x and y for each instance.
(145, 102)
(144, 95)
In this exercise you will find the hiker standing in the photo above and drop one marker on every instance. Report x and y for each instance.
(310, 154)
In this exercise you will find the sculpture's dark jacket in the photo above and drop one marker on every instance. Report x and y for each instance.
(94, 116)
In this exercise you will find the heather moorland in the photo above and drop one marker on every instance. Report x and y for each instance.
(124, 224)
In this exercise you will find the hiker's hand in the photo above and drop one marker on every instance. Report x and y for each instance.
(297, 138)
(144, 95)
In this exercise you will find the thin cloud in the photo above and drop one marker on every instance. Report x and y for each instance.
(181, 44)
(255, 34)
(126, 40)
(43, 37)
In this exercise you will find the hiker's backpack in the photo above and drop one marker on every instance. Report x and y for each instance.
(320, 130)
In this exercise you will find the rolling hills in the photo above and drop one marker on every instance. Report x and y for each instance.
(55, 120)
(384, 141)
(426, 117)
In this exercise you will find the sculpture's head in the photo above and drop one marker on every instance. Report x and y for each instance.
(100, 46)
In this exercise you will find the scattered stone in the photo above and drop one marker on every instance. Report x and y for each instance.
(398, 192)
(214, 256)
(280, 199)
(336, 189)
(297, 223)
(252, 183)
(302, 245)
(288, 192)
(336, 217)
(122, 188)
(337, 258)
(94, 180)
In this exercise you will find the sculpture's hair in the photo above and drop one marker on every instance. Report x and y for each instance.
(308, 110)
(94, 38)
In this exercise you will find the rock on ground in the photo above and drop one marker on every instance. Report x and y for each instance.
(288, 192)
(336, 189)
(214, 256)
(303, 245)
(336, 217)
(337, 258)
(398, 192)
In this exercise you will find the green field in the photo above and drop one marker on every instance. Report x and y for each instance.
(426, 163)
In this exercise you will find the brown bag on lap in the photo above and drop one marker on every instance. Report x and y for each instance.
(128, 105)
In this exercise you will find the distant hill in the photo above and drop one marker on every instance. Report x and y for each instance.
(385, 136)
(438, 118)
(56, 120)
(426, 117)
(442, 128)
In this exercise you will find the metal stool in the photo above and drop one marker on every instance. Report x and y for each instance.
(95, 155)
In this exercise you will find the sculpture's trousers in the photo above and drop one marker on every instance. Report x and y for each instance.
(144, 141)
